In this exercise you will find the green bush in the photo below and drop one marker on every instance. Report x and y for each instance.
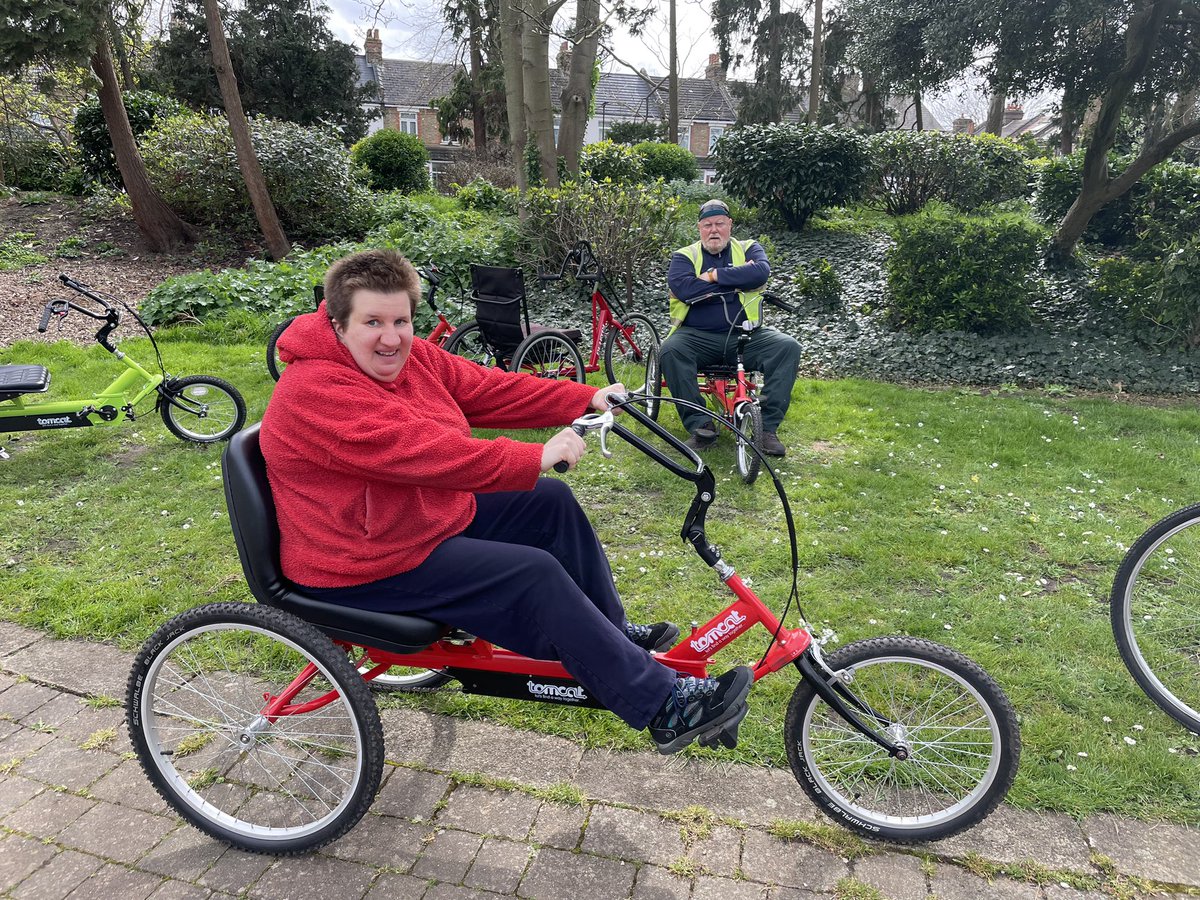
(278, 289)
(633, 132)
(1178, 297)
(1166, 208)
(618, 163)
(393, 161)
(191, 162)
(950, 272)
(144, 108)
(533, 166)
(670, 162)
(793, 170)
(910, 168)
(818, 283)
(631, 227)
(484, 196)
(1059, 183)
(452, 240)
(41, 165)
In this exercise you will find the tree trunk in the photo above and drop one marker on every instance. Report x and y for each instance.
(1141, 39)
(511, 29)
(118, 46)
(995, 116)
(872, 105)
(577, 95)
(919, 112)
(775, 64)
(539, 112)
(158, 223)
(673, 77)
(256, 185)
(480, 135)
(818, 66)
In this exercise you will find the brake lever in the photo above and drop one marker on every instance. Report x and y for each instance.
(603, 422)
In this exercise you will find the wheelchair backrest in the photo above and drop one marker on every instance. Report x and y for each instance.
(252, 516)
(499, 295)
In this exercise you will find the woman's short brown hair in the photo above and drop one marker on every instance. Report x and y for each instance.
(385, 271)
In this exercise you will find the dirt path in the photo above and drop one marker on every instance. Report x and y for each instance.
(108, 254)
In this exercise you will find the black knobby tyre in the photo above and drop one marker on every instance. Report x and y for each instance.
(1155, 612)
(193, 707)
(748, 419)
(549, 354)
(467, 341)
(958, 724)
(275, 365)
(202, 409)
(631, 359)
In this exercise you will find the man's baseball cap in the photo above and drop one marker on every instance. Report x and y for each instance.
(713, 208)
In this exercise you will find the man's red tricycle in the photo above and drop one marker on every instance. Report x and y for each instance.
(257, 724)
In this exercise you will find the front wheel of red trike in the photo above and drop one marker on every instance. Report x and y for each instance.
(956, 723)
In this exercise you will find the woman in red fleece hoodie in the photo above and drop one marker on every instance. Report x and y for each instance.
(386, 501)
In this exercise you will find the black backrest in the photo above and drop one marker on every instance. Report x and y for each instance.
(256, 533)
(499, 295)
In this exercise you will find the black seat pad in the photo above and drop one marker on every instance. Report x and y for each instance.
(256, 532)
(719, 371)
(18, 380)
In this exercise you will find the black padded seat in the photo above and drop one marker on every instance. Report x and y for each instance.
(719, 371)
(18, 380)
(574, 335)
(256, 533)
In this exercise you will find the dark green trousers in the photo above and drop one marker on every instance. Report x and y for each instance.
(775, 354)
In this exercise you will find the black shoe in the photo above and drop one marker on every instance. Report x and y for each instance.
(772, 445)
(698, 707)
(655, 638)
(702, 438)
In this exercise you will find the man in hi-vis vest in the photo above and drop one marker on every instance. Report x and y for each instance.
(716, 285)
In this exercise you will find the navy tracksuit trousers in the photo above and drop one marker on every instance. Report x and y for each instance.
(530, 576)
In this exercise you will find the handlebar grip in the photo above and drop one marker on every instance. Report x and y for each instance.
(562, 465)
(47, 311)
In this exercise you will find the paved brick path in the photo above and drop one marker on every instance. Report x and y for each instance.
(461, 814)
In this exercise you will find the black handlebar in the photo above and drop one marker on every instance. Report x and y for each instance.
(562, 465)
(54, 307)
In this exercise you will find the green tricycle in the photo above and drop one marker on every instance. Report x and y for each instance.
(197, 408)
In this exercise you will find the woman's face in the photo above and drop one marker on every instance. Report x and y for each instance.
(378, 332)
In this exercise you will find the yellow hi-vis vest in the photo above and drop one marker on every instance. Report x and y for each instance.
(751, 300)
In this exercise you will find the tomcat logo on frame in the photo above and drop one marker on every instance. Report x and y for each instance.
(718, 631)
(52, 421)
(569, 693)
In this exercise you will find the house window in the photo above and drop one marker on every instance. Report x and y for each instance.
(684, 138)
(408, 122)
(714, 132)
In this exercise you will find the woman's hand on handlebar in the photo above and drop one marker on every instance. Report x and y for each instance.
(565, 447)
(600, 400)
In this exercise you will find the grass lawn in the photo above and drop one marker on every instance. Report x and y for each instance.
(993, 524)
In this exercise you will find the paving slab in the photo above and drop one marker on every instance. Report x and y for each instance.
(633, 835)
(15, 792)
(118, 881)
(952, 883)
(77, 667)
(312, 876)
(24, 699)
(185, 853)
(753, 795)
(382, 841)
(390, 886)
(45, 815)
(710, 888)
(1011, 835)
(897, 877)
(94, 832)
(457, 745)
(1161, 852)
(61, 875)
(559, 825)
(63, 763)
(235, 871)
(790, 863)
(20, 857)
(447, 855)
(718, 854)
(179, 890)
(556, 875)
(411, 793)
(654, 883)
(482, 810)
(127, 785)
(498, 866)
(15, 637)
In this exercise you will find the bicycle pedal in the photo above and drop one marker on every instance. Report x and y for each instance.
(727, 737)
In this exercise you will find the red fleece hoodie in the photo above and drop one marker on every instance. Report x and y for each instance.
(368, 478)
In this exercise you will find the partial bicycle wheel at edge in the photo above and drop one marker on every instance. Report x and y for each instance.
(631, 359)
(748, 418)
(1155, 613)
(959, 727)
(274, 364)
(202, 409)
(549, 354)
(194, 705)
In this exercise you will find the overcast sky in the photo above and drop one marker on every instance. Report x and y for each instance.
(413, 29)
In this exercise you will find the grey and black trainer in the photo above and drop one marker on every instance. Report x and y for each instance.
(655, 638)
(701, 706)
(702, 438)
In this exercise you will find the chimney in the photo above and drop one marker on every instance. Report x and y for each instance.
(1013, 113)
(963, 125)
(563, 59)
(714, 71)
(373, 47)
